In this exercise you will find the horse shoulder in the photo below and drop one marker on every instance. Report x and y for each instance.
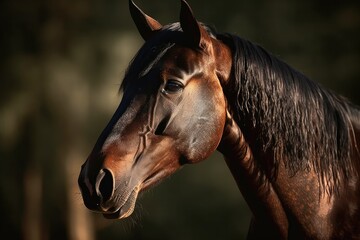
(346, 211)
(316, 214)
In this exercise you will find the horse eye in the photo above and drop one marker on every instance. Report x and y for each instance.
(173, 86)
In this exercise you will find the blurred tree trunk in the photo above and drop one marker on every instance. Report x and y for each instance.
(32, 220)
(80, 224)
(67, 93)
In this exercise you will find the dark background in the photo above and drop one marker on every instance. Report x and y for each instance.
(61, 64)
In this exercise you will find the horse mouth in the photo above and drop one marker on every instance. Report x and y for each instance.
(126, 207)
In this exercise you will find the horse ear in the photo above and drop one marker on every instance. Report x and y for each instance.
(195, 33)
(145, 24)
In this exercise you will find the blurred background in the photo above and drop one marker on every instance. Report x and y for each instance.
(61, 64)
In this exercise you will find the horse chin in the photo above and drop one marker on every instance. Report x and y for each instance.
(126, 209)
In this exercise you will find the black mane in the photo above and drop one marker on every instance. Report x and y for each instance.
(296, 119)
(150, 53)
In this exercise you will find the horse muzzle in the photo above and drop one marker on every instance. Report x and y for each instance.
(101, 195)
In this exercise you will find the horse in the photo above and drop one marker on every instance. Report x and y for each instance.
(291, 145)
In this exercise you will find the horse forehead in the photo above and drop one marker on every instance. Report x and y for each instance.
(184, 58)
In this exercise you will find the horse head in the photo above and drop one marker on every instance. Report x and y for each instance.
(173, 112)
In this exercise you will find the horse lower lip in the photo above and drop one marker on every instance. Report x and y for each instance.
(120, 213)
(126, 209)
(114, 215)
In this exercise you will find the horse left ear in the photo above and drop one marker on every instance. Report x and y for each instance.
(196, 34)
(146, 25)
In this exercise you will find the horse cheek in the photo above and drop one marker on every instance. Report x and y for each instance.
(204, 132)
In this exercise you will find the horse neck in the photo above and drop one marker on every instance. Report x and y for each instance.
(271, 200)
(267, 196)
(254, 186)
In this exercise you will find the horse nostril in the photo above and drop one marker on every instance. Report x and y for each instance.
(104, 185)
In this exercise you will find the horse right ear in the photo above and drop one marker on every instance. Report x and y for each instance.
(195, 33)
(145, 24)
